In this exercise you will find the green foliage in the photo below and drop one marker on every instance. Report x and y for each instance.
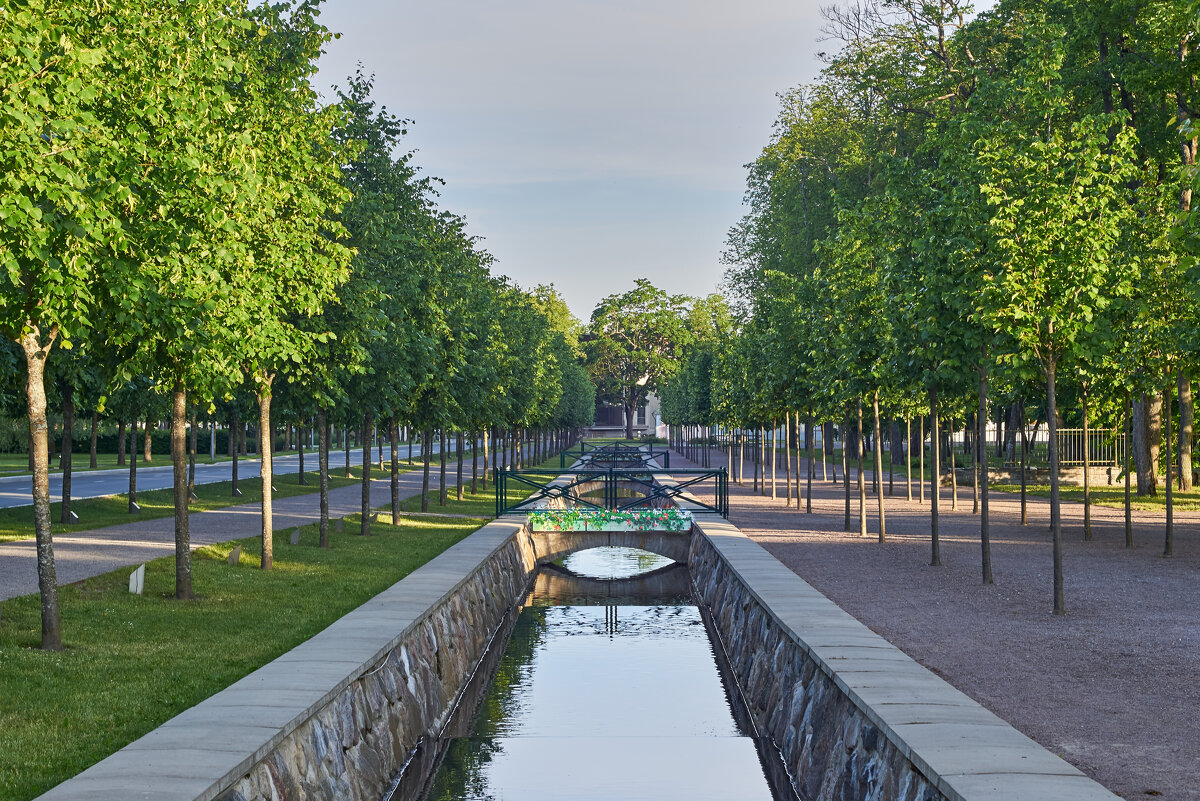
(634, 343)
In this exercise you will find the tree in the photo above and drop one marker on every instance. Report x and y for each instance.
(634, 342)
(1056, 184)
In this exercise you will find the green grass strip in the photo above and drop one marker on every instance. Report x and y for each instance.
(133, 662)
(1113, 496)
(17, 523)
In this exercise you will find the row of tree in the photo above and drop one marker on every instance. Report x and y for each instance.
(183, 216)
(973, 215)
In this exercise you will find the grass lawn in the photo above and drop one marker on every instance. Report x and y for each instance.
(1114, 496)
(17, 523)
(13, 464)
(133, 662)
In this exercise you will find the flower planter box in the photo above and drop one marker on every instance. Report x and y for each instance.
(612, 525)
(569, 520)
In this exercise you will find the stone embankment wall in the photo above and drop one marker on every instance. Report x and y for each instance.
(854, 718)
(338, 716)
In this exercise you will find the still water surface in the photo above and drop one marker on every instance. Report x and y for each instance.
(615, 695)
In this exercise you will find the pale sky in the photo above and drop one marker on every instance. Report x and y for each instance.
(588, 142)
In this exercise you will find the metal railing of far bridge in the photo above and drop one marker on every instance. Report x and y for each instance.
(689, 489)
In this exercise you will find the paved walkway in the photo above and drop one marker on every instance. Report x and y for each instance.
(1111, 686)
(17, 490)
(89, 553)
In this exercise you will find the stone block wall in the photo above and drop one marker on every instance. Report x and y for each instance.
(854, 718)
(356, 743)
(828, 745)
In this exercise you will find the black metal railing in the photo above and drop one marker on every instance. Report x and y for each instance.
(631, 455)
(573, 488)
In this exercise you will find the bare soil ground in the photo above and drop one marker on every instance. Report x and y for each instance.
(1112, 686)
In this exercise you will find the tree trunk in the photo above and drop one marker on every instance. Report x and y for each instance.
(35, 396)
(132, 494)
(1147, 433)
(68, 412)
(753, 446)
(266, 474)
(301, 478)
(394, 435)
(1187, 156)
(1010, 435)
(1169, 544)
(908, 457)
(1024, 466)
(975, 460)
(893, 436)
(862, 487)
(183, 545)
(845, 467)
(346, 446)
(1128, 468)
(442, 467)
(121, 443)
(825, 464)
(192, 455)
(1186, 420)
(458, 452)
(1087, 471)
(92, 458)
(1060, 605)
(935, 480)
(364, 523)
(787, 458)
(323, 434)
(475, 435)
(952, 459)
(234, 427)
(810, 441)
(774, 458)
(981, 481)
(879, 466)
(921, 458)
(486, 454)
(741, 457)
(147, 441)
(426, 447)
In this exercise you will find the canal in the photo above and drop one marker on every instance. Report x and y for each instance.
(608, 687)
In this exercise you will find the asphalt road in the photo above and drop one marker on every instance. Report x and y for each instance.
(18, 490)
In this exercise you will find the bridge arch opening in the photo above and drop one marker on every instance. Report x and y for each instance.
(551, 546)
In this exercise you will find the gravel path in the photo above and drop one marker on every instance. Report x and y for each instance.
(1111, 686)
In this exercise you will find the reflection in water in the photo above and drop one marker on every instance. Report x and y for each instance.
(614, 563)
(613, 701)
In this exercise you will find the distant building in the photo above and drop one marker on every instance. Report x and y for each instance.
(610, 419)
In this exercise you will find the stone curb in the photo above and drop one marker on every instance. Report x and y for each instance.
(201, 752)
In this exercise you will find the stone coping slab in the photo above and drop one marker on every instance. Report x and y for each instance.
(193, 756)
(966, 751)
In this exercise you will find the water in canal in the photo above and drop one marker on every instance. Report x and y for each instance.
(608, 688)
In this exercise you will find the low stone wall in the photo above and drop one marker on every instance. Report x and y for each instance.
(338, 716)
(854, 718)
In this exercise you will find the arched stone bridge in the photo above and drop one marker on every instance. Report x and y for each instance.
(550, 546)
